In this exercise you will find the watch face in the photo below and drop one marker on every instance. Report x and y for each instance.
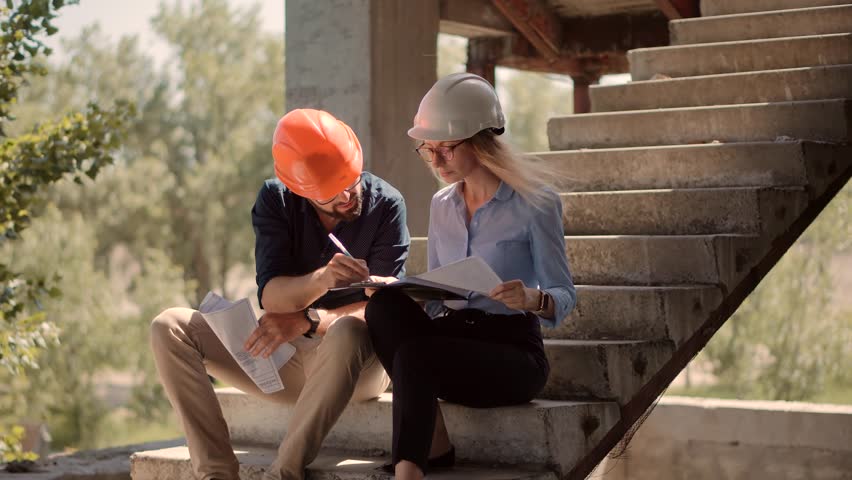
(313, 315)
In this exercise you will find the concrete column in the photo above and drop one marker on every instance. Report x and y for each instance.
(582, 99)
(369, 62)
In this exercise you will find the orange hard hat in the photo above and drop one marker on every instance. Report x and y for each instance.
(316, 155)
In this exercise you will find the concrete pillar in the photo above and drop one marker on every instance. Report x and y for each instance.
(582, 99)
(369, 62)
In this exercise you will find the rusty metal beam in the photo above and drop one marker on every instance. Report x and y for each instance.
(591, 46)
(521, 55)
(537, 23)
(614, 33)
(602, 65)
(675, 9)
(473, 18)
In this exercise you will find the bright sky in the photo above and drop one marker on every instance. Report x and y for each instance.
(122, 17)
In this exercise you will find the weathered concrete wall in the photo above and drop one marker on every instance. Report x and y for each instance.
(369, 62)
(327, 60)
(696, 439)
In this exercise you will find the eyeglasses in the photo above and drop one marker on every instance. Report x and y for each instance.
(349, 189)
(429, 153)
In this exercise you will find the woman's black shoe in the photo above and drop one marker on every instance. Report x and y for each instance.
(447, 460)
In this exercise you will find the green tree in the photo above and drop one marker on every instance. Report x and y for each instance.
(168, 219)
(788, 341)
(231, 84)
(452, 54)
(200, 141)
(103, 320)
(530, 99)
(77, 145)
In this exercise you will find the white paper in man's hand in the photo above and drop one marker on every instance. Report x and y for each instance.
(233, 323)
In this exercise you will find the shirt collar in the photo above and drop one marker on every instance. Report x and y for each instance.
(503, 193)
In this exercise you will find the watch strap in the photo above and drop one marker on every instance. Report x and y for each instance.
(314, 323)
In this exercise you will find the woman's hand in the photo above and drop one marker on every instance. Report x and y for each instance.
(515, 295)
(377, 279)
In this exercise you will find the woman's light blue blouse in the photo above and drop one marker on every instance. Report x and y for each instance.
(518, 241)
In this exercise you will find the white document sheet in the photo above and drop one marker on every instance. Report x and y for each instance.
(233, 323)
(471, 273)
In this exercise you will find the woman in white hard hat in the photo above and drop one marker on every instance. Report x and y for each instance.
(488, 351)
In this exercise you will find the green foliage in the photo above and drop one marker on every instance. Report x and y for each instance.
(12, 453)
(787, 341)
(201, 139)
(452, 54)
(231, 90)
(162, 224)
(78, 144)
(103, 317)
(532, 99)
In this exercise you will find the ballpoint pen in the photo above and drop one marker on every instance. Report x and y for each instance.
(340, 245)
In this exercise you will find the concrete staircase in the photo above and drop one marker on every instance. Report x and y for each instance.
(687, 185)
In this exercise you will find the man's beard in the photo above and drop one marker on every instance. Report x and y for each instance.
(351, 214)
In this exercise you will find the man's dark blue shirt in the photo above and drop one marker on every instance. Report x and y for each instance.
(291, 241)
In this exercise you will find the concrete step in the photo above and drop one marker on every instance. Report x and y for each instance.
(543, 432)
(644, 259)
(637, 313)
(744, 210)
(780, 163)
(173, 464)
(808, 83)
(761, 25)
(602, 369)
(821, 120)
(741, 56)
(728, 7)
(659, 260)
(783, 163)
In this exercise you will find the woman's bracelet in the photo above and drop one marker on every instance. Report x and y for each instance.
(543, 302)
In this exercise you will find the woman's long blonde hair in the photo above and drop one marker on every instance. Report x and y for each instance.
(526, 174)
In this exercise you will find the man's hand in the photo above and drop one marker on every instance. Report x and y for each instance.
(378, 279)
(514, 295)
(275, 329)
(342, 270)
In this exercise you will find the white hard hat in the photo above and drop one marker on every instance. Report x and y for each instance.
(458, 106)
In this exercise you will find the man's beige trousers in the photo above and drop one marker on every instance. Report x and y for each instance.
(320, 379)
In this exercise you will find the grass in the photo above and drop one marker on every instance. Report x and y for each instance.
(119, 429)
(834, 394)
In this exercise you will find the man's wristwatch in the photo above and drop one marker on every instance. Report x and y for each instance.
(313, 316)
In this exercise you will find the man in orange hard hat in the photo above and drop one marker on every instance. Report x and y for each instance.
(320, 189)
